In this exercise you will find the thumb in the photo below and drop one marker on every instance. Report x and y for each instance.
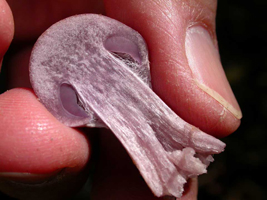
(185, 64)
(186, 73)
(6, 28)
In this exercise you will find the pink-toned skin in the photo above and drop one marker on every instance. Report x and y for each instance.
(92, 70)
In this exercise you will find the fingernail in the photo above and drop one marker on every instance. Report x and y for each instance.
(28, 178)
(208, 74)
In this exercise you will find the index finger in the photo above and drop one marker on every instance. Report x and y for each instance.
(6, 28)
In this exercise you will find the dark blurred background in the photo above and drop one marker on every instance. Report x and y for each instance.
(238, 173)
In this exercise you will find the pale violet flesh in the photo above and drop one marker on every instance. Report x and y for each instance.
(75, 59)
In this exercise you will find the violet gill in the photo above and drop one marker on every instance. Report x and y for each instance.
(90, 70)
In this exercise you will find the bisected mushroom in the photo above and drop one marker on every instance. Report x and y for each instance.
(90, 70)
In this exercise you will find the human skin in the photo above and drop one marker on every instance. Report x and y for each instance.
(176, 78)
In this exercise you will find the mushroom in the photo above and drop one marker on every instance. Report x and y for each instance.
(91, 70)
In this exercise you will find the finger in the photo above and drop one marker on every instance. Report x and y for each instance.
(39, 156)
(33, 17)
(164, 26)
(6, 28)
(116, 177)
(185, 65)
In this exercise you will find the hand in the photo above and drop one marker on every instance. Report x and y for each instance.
(186, 74)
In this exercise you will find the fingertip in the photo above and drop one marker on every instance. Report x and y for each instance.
(33, 141)
(6, 27)
(201, 110)
(224, 124)
(40, 157)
